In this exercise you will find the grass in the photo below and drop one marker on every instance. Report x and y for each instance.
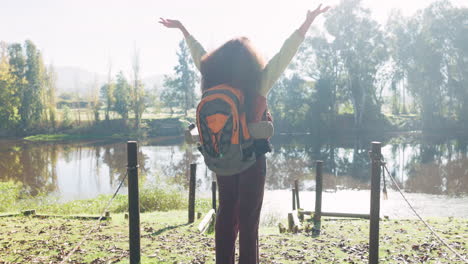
(152, 198)
(167, 238)
(62, 137)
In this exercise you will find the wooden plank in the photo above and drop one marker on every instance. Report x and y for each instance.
(333, 214)
(297, 223)
(9, 215)
(345, 215)
(78, 217)
(205, 223)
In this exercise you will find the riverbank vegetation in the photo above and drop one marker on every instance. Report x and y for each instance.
(353, 76)
(15, 198)
(167, 238)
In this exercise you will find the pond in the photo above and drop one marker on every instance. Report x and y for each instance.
(432, 171)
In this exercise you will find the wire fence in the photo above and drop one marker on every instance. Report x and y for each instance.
(378, 159)
(98, 221)
(385, 169)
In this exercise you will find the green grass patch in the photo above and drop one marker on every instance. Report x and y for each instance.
(61, 137)
(152, 198)
(73, 137)
(9, 194)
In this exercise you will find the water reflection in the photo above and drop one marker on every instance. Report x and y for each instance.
(85, 169)
(431, 166)
(67, 170)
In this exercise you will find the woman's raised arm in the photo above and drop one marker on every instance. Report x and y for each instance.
(196, 49)
(281, 60)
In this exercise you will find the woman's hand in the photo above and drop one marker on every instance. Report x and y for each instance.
(171, 23)
(311, 15)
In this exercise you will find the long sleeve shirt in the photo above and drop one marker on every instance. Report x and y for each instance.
(270, 74)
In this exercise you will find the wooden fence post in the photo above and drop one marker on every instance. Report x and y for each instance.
(296, 185)
(318, 197)
(293, 198)
(375, 203)
(192, 184)
(133, 202)
(213, 194)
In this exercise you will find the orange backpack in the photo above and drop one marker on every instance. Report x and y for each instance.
(225, 142)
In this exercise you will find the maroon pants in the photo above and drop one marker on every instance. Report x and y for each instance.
(240, 202)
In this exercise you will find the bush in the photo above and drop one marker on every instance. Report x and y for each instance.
(9, 194)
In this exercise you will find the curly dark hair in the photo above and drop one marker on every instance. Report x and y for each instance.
(237, 64)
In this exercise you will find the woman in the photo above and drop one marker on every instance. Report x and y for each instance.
(237, 64)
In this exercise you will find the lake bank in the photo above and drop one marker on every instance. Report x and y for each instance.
(118, 129)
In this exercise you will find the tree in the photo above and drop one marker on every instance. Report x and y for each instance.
(180, 89)
(361, 49)
(95, 103)
(138, 92)
(50, 96)
(329, 73)
(107, 94)
(122, 96)
(290, 91)
(31, 109)
(429, 50)
(17, 69)
(9, 101)
(171, 96)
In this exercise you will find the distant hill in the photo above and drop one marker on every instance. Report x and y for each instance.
(154, 80)
(77, 80)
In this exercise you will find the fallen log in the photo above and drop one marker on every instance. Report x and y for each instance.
(9, 215)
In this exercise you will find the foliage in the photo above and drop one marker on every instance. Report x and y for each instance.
(138, 92)
(429, 52)
(9, 194)
(349, 64)
(9, 102)
(152, 198)
(180, 89)
(107, 96)
(27, 88)
(66, 118)
(122, 96)
(287, 92)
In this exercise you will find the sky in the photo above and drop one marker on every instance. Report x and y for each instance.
(93, 34)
